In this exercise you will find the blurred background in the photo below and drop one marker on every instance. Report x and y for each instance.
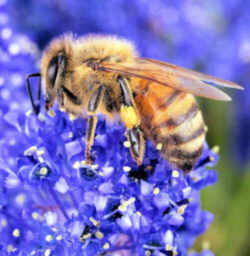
(209, 36)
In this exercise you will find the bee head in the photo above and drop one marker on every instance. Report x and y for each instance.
(53, 68)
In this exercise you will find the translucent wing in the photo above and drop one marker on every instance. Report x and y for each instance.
(173, 76)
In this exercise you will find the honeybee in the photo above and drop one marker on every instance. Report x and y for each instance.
(155, 100)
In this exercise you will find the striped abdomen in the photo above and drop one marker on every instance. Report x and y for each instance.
(172, 119)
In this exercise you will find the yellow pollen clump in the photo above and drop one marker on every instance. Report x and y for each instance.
(148, 253)
(41, 117)
(28, 113)
(138, 213)
(94, 166)
(59, 238)
(129, 116)
(72, 117)
(206, 245)
(51, 113)
(20, 199)
(95, 222)
(122, 208)
(159, 146)
(35, 215)
(16, 232)
(85, 236)
(126, 168)
(182, 209)
(47, 252)
(175, 174)
(127, 144)
(30, 150)
(211, 158)
(168, 247)
(156, 191)
(106, 246)
(49, 238)
(43, 171)
(125, 204)
(76, 165)
(40, 152)
(131, 200)
(41, 160)
(99, 234)
(216, 149)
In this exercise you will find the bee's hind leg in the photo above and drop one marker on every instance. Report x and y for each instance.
(137, 148)
(130, 116)
(93, 104)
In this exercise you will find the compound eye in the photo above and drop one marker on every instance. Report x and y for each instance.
(52, 70)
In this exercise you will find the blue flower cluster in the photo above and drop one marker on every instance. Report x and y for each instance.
(52, 203)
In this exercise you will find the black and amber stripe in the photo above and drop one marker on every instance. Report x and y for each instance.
(178, 139)
(170, 100)
(179, 126)
(178, 120)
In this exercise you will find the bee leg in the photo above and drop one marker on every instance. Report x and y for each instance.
(72, 97)
(130, 116)
(90, 134)
(36, 104)
(137, 148)
(93, 104)
(60, 97)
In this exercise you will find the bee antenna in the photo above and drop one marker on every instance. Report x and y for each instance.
(35, 106)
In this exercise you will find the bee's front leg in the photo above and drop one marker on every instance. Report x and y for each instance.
(93, 104)
(130, 116)
(36, 104)
(60, 97)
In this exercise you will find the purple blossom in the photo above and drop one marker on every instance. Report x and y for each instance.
(56, 203)
(52, 203)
